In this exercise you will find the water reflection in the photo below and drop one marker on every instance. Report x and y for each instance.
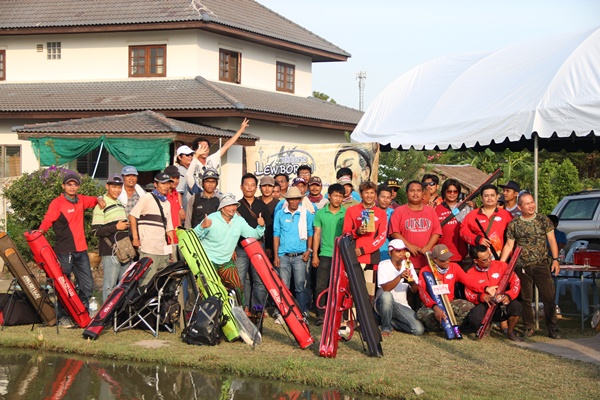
(38, 375)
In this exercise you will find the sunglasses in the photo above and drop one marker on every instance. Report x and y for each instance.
(429, 183)
(451, 191)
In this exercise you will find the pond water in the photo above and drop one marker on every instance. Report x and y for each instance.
(42, 375)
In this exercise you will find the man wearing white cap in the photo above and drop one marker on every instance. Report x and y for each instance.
(220, 233)
(292, 245)
(395, 277)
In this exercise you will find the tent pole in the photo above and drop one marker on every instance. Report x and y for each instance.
(535, 195)
(98, 159)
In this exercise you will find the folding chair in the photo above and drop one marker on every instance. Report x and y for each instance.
(155, 305)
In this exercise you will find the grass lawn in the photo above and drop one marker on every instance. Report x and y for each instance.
(491, 368)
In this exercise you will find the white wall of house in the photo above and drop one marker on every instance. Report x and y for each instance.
(29, 162)
(105, 56)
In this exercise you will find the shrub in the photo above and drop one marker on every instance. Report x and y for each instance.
(29, 197)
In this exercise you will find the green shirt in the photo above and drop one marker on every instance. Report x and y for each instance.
(531, 235)
(331, 227)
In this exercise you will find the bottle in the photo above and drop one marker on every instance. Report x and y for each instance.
(93, 307)
(561, 256)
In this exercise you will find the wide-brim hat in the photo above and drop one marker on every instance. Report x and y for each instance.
(228, 199)
(293, 193)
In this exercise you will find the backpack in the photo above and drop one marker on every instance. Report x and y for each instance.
(205, 326)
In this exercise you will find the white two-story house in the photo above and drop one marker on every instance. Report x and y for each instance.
(199, 66)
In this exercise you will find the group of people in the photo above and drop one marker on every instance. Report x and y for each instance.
(297, 224)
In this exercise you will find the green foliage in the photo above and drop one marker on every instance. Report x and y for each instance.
(555, 182)
(29, 197)
(404, 166)
(323, 96)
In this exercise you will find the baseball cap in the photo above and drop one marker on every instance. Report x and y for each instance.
(162, 178)
(115, 179)
(392, 183)
(184, 150)
(129, 170)
(72, 177)
(396, 244)
(267, 181)
(315, 180)
(297, 181)
(293, 193)
(210, 173)
(227, 200)
(441, 252)
(512, 185)
(345, 180)
(172, 171)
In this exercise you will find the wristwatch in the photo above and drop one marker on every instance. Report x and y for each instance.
(556, 259)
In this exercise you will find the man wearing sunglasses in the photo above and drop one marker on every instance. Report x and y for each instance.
(491, 272)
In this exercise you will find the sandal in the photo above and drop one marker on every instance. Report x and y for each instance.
(386, 334)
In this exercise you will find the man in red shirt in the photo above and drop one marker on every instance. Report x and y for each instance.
(492, 222)
(416, 224)
(490, 272)
(175, 200)
(65, 216)
(430, 314)
(368, 239)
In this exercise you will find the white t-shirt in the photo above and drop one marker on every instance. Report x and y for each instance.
(151, 228)
(387, 272)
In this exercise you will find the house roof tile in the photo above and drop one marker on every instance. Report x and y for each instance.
(166, 94)
(149, 123)
(245, 15)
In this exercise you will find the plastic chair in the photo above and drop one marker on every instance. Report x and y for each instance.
(574, 282)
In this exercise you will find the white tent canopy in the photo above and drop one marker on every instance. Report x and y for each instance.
(550, 87)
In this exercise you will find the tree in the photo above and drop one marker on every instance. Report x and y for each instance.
(323, 96)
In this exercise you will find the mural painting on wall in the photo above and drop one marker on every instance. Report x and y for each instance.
(324, 159)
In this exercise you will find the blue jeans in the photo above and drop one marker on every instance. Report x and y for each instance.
(395, 315)
(79, 264)
(113, 271)
(257, 290)
(297, 267)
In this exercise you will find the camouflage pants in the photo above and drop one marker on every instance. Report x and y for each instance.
(461, 310)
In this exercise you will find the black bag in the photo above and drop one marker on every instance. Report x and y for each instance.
(170, 311)
(21, 311)
(205, 327)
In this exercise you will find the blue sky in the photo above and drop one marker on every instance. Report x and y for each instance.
(387, 38)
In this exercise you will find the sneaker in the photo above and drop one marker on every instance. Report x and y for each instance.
(319, 321)
(279, 320)
(513, 336)
(305, 315)
(65, 322)
(554, 334)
